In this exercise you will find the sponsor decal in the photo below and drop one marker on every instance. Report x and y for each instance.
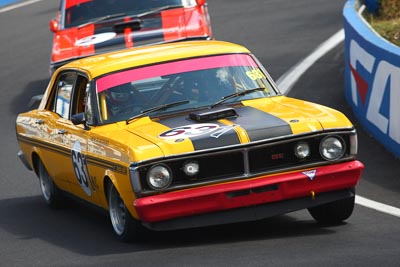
(95, 39)
(310, 174)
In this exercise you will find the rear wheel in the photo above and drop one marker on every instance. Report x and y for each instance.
(50, 192)
(125, 226)
(334, 212)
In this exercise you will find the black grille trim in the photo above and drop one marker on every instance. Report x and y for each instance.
(238, 163)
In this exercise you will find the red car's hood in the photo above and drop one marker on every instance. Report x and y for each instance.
(170, 25)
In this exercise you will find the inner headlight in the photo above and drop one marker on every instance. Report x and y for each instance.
(191, 168)
(332, 147)
(159, 177)
(302, 150)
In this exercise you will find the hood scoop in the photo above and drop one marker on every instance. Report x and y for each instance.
(134, 25)
(213, 114)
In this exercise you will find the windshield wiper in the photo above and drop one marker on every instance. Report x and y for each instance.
(113, 16)
(158, 108)
(99, 19)
(245, 92)
(157, 10)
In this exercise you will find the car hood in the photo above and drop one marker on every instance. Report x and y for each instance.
(121, 33)
(255, 121)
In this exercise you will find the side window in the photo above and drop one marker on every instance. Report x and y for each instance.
(79, 98)
(64, 92)
(89, 106)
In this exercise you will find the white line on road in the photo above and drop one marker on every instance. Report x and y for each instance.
(377, 206)
(288, 80)
(25, 3)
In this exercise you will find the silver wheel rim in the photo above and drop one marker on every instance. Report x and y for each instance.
(45, 185)
(117, 211)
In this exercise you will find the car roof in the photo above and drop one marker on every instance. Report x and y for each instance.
(101, 64)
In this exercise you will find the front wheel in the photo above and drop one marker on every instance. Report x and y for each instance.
(334, 212)
(50, 192)
(125, 226)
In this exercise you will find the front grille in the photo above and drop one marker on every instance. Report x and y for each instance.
(240, 163)
(267, 158)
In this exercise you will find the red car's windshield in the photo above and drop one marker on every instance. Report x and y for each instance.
(78, 12)
(199, 81)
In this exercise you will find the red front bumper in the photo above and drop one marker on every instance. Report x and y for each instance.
(249, 192)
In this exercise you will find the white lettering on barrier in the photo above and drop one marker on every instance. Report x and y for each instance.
(385, 75)
(358, 54)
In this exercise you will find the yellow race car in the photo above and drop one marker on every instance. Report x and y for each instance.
(186, 135)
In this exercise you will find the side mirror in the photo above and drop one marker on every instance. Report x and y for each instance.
(200, 2)
(53, 25)
(78, 118)
(35, 102)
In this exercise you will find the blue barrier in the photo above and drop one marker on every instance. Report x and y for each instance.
(372, 79)
(7, 2)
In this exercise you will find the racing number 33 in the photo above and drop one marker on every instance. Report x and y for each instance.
(80, 169)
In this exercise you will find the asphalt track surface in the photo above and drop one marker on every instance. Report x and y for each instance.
(281, 33)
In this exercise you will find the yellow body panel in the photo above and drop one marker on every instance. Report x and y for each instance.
(106, 63)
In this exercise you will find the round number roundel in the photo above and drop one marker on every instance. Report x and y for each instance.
(191, 130)
(80, 168)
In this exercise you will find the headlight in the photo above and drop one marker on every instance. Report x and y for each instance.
(191, 168)
(332, 147)
(159, 177)
(302, 150)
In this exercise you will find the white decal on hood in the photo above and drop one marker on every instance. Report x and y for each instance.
(191, 130)
(95, 39)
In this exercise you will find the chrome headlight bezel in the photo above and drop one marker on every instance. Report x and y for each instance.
(302, 150)
(191, 168)
(159, 174)
(332, 147)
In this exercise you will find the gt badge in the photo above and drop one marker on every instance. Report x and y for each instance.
(310, 174)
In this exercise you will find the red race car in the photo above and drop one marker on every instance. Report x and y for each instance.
(86, 27)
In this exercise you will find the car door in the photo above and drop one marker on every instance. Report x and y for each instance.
(53, 155)
(71, 100)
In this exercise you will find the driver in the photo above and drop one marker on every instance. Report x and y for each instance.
(121, 99)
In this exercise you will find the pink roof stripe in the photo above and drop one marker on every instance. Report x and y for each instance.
(187, 65)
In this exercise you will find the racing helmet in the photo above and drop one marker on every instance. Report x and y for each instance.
(119, 94)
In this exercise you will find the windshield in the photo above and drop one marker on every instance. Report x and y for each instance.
(199, 82)
(78, 12)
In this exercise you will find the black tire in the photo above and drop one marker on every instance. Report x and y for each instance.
(125, 226)
(334, 212)
(50, 192)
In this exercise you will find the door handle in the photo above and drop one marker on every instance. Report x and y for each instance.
(61, 131)
(39, 121)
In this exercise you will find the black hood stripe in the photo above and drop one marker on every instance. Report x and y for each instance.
(205, 141)
(259, 125)
(151, 32)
